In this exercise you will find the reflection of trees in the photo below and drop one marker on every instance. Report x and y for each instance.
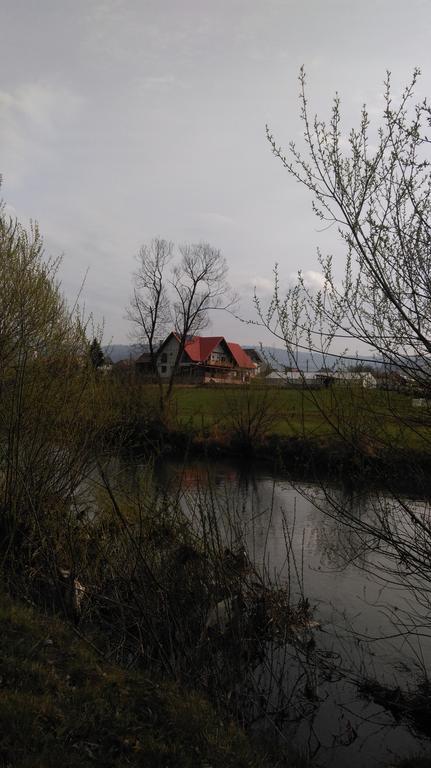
(403, 601)
(301, 677)
(385, 535)
(340, 545)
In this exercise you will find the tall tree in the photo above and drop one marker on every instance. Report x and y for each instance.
(177, 292)
(97, 357)
(375, 187)
(199, 285)
(44, 450)
(149, 309)
(377, 191)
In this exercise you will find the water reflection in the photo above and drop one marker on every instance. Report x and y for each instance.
(366, 619)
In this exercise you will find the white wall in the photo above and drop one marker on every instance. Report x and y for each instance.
(166, 364)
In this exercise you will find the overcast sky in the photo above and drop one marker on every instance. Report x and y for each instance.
(121, 120)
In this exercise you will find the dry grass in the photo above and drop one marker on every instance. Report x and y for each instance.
(60, 704)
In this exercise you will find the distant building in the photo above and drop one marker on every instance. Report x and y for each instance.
(290, 377)
(276, 378)
(205, 359)
(144, 364)
(363, 378)
(257, 359)
(324, 377)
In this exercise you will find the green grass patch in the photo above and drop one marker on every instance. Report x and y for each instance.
(208, 408)
(60, 704)
(388, 418)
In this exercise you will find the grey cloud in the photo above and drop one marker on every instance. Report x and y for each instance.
(125, 119)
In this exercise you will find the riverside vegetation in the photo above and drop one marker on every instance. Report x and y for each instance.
(345, 433)
(156, 612)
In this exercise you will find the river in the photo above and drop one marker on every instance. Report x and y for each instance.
(363, 619)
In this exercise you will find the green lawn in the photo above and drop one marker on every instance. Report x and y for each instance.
(388, 416)
(209, 408)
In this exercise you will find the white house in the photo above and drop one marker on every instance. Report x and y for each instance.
(205, 359)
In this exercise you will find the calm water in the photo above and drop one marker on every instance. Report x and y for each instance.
(359, 612)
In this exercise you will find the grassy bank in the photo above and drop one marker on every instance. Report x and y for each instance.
(370, 419)
(308, 413)
(344, 433)
(60, 704)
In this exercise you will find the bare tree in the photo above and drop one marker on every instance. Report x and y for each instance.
(149, 309)
(181, 296)
(375, 188)
(199, 285)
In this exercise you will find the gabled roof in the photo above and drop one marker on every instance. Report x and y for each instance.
(145, 357)
(241, 358)
(254, 355)
(199, 348)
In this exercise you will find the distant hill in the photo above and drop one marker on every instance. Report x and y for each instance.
(277, 357)
(126, 351)
(122, 351)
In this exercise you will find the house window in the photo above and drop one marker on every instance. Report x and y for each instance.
(164, 357)
(163, 368)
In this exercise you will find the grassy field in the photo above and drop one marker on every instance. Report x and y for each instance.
(351, 412)
(62, 705)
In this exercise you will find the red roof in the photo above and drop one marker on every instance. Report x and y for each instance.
(199, 348)
(241, 358)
